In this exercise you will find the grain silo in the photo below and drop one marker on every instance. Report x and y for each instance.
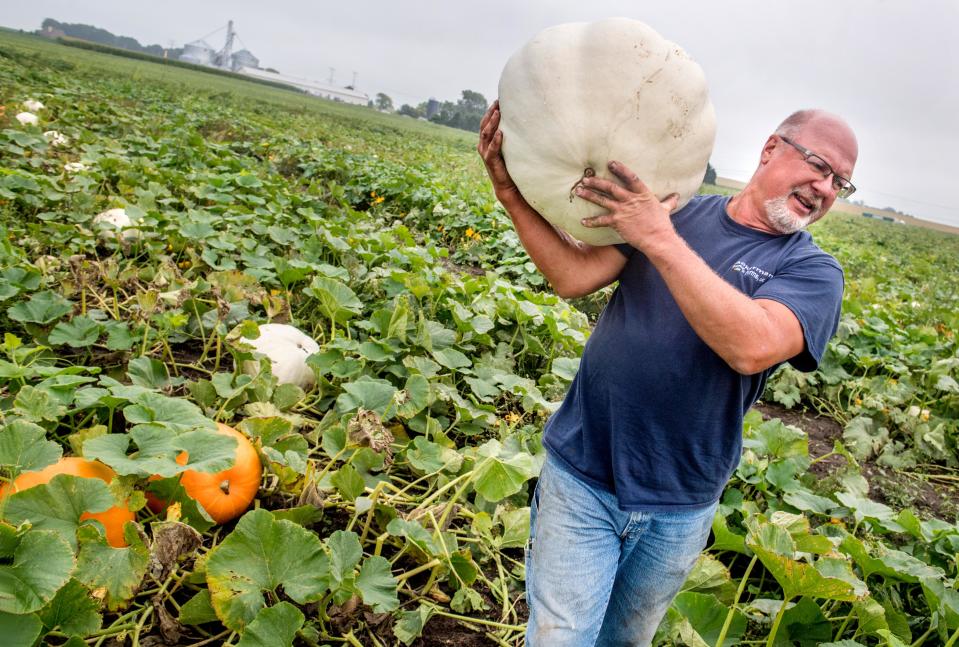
(198, 52)
(243, 58)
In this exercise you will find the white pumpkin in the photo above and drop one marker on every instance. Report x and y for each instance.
(287, 348)
(581, 94)
(115, 223)
(27, 119)
(56, 138)
(33, 105)
(74, 167)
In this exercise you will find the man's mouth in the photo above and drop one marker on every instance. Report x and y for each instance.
(808, 204)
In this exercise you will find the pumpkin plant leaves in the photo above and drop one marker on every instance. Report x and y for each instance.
(42, 563)
(259, 556)
(115, 571)
(377, 586)
(498, 474)
(42, 308)
(79, 332)
(274, 626)
(177, 414)
(19, 631)
(72, 611)
(704, 616)
(59, 504)
(148, 372)
(24, 448)
(198, 610)
(157, 451)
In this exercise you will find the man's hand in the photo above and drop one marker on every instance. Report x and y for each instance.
(632, 210)
(490, 148)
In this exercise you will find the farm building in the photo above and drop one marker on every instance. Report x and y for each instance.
(316, 88)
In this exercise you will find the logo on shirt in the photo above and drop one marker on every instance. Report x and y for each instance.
(753, 272)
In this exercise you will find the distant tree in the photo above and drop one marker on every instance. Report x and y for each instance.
(270, 69)
(710, 174)
(410, 111)
(97, 35)
(465, 114)
(384, 102)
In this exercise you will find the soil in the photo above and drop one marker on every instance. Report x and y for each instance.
(894, 488)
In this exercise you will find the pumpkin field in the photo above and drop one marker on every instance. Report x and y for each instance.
(391, 490)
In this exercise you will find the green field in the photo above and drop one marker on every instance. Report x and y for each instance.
(393, 501)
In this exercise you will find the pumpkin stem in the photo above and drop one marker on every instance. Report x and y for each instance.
(225, 487)
(587, 172)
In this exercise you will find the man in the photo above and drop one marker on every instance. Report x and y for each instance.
(711, 299)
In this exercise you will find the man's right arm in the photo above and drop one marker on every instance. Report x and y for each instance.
(573, 268)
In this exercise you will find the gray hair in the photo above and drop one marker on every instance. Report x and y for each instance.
(795, 122)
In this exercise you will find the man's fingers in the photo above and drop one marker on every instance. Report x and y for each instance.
(630, 180)
(593, 196)
(611, 189)
(670, 202)
(604, 220)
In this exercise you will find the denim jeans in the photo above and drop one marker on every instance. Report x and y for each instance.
(596, 575)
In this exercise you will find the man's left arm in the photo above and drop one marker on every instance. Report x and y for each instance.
(749, 334)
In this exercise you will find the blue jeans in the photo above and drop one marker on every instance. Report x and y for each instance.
(596, 575)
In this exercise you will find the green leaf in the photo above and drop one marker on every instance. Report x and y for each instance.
(336, 300)
(72, 611)
(198, 610)
(42, 563)
(259, 556)
(79, 332)
(496, 478)
(427, 457)
(42, 308)
(37, 404)
(725, 539)
(24, 447)
(377, 585)
(706, 615)
(348, 482)
(19, 630)
(366, 393)
(410, 624)
(119, 336)
(345, 553)
(414, 397)
(157, 449)
(515, 528)
(116, 571)
(273, 627)
(415, 534)
(59, 504)
(148, 372)
(804, 624)
(177, 414)
(565, 367)
(798, 578)
(451, 358)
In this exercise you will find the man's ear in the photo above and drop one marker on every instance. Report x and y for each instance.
(768, 149)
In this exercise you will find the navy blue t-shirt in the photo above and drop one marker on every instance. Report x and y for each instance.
(654, 415)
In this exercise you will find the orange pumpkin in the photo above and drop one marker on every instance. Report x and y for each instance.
(224, 495)
(112, 519)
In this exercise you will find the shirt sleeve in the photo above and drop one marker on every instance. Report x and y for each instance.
(812, 289)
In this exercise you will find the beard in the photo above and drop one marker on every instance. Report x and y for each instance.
(783, 220)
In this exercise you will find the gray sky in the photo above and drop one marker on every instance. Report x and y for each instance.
(891, 67)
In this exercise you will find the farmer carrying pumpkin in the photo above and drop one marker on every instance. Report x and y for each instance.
(712, 298)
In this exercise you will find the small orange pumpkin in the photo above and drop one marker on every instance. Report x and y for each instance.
(112, 519)
(224, 495)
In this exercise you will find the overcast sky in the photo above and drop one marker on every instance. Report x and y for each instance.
(890, 67)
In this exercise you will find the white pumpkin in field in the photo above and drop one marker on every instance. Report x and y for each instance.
(287, 348)
(56, 138)
(27, 119)
(116, 224)
(581, 94)
(33, 105)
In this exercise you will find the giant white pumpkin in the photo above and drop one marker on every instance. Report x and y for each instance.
(287, 348)
(581, 94)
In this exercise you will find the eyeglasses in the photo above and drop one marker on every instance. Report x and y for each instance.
(844, 188)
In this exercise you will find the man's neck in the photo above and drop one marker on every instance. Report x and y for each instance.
(743, 209)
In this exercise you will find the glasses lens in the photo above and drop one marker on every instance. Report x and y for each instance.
(843, 187)
(819, 164)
